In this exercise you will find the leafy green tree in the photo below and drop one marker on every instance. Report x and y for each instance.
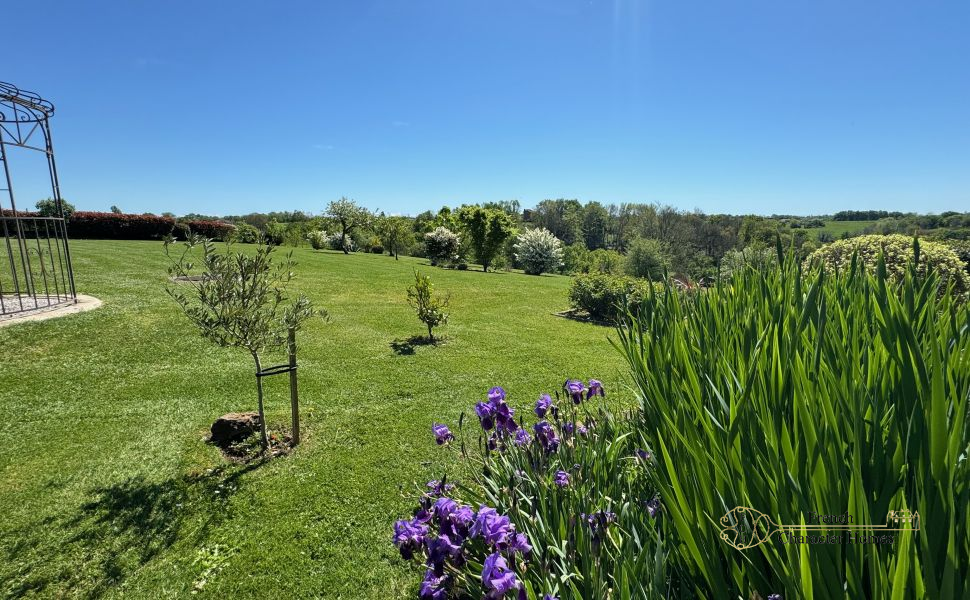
(575, 259)
(115, 210)
(396, 233)
(595, 223)
(428, 305)
(563, 218)
(349, 216)
(238, 300)
(48, 208)
(487, 230)
(647, 258)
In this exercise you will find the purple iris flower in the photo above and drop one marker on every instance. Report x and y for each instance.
(492, 441)
(546, 436)
(581, 429)
(575, 389)
(653, 507)
(520, 543)
(595, 388)
(409, 536)
(460, 520)
(491, 526)
(442, 434)
(496, 395)
(643, 455)
(433, 587)
(568, 428)
(438, 488)
(444, 507)
(486, 414)
(550, 597)
(497, 578)
(601, 519)
(522, 438)
(775, 597)
(503, 416)
(542, 405)
(440, 550)
(561, 478)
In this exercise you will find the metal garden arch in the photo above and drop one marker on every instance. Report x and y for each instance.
(35, 263)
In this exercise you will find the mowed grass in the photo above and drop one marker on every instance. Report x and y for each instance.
(837, 228)
(107, 487)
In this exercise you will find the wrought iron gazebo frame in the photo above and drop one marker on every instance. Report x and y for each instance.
(36, 272)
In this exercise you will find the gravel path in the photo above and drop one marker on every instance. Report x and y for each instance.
(11, 305)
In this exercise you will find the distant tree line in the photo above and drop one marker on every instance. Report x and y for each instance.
(643, 240)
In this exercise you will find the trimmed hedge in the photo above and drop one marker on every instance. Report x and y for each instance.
(112, 226)
(216, 230)
(607, 297)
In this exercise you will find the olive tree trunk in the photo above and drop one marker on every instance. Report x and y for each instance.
(259, 394)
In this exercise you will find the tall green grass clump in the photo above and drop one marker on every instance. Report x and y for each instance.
(795, 392)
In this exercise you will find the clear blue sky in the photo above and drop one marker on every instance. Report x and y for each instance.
(226, 107)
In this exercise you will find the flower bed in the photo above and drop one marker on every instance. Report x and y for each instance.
(560, 508)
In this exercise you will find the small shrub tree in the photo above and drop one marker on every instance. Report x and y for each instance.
(350, 216)
(538, 251)
(647, 258)
(238, 300)
(245, 234)
(275, 232)
(605, 261)
(429, 306)
(395, 234)
(442, 246)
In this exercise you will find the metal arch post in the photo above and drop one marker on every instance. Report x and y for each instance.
(56, 186)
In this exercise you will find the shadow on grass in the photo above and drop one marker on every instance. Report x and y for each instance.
(119, 530)
(406, 347)
(583, 317)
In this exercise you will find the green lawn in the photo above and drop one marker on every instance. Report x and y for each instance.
(108, 488)
(837, 228)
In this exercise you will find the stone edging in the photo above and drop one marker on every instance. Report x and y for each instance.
(84, 303)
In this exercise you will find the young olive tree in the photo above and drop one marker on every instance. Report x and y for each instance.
(237, 299)
(429, 306)
(350, 216)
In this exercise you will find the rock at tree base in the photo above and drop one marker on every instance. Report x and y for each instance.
(233, 427)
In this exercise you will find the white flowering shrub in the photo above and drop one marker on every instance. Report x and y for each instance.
(538, 251)
(442, 245)
(898, 252)
(334, 242)
(317, 239)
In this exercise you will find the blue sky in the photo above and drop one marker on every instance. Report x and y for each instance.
(225, 107)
